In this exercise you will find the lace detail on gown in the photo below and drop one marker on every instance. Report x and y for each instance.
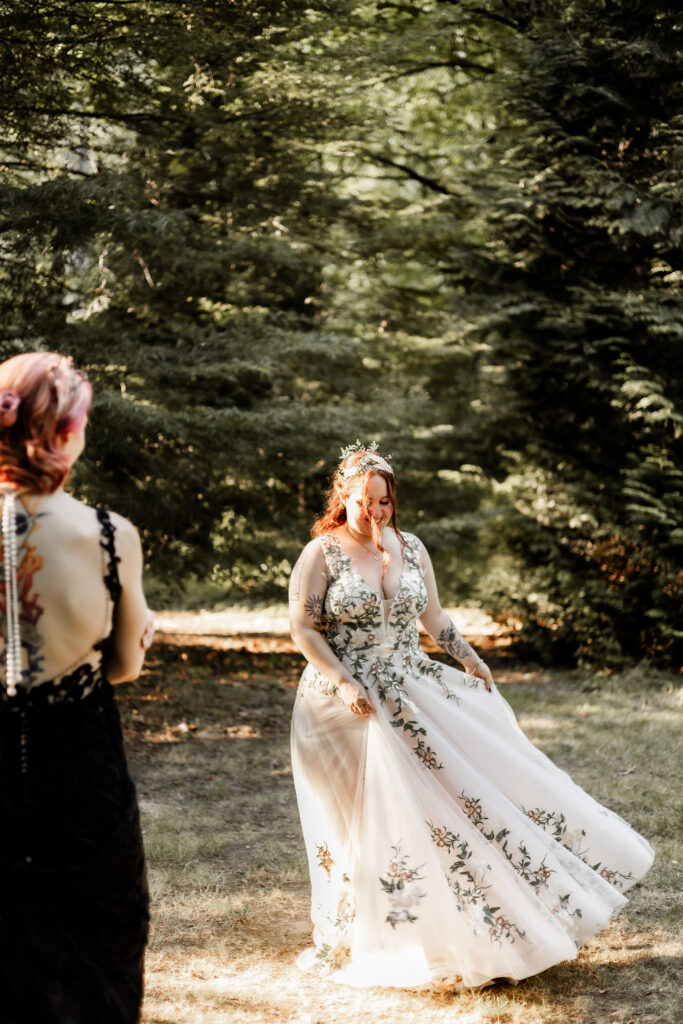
(111, 576)
(443, 847)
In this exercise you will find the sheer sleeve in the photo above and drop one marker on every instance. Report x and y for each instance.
(307, 589)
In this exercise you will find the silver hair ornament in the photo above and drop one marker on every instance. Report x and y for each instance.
(371, 460)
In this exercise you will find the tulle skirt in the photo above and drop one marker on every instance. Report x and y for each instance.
(444, 848)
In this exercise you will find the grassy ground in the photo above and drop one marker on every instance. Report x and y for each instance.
(208, 734)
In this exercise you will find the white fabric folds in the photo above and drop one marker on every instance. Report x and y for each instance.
(444, 848)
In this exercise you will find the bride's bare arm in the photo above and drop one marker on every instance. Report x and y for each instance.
(441, 628)
(307, 589)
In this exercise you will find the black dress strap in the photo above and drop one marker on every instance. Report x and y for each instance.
(108, 542)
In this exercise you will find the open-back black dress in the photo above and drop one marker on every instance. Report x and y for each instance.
(73, 891)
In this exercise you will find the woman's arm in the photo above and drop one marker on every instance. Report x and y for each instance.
(440, 627)
(133, 622)
(307, 589)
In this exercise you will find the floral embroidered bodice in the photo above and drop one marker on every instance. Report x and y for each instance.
(364, 629)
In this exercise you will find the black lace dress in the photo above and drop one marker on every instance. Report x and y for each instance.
(73, 891)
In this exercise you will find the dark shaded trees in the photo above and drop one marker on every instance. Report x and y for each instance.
(555, 233)
(267, 229)
(163, 205)
(588, 260)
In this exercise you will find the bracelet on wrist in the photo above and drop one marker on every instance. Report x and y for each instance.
(478, 662)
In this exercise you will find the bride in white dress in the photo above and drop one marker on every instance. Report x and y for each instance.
(444, 849)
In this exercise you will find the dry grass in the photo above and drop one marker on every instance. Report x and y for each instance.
(207, 730)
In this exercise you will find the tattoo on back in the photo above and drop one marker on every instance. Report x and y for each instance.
(453, 643)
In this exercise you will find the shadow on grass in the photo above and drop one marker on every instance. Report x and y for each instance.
(208, 732)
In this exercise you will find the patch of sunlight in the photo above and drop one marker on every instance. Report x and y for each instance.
(538, 723)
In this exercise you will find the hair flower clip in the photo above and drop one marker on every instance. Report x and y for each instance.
(9, 407)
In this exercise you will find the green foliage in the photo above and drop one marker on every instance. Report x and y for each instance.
(585, 235)
(163, 205)
(266, 229)
(537, 234)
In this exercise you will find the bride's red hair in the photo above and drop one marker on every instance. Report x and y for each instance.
(334, 513)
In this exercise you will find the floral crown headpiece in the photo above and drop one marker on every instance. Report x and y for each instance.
(371, 460)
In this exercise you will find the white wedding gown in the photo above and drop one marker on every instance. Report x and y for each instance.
(444, 848)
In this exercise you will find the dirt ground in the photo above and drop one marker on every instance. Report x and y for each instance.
(207, 729)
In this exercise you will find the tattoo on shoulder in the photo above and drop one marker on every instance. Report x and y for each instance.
(314, 610)
(453, 643)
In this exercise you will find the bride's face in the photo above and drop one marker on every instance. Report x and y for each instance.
(378, 504)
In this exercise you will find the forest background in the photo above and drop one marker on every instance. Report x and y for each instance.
(268, 227)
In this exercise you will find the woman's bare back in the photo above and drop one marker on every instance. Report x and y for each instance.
(66, 608)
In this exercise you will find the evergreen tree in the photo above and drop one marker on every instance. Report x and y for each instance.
(575, 274)
(266, 229)
(539, 150)
(163, 210)
(416, 171)
(589, 236)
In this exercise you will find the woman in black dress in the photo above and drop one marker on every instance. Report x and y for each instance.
(73, 620)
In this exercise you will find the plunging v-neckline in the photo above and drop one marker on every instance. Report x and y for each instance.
(361, 577)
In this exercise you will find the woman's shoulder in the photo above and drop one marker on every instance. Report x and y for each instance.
(325, 541)
(124, 529)
(413, 549)
(64, 515)
(76, 509)
(324, 553)
(411, 540)
(91, 520)
(317, 548)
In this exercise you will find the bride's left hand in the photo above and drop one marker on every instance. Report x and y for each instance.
(482, 671)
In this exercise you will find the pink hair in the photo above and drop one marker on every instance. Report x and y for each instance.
(52, 399)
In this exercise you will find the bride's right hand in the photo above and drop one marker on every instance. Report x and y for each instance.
(355, 701)
(147, 638)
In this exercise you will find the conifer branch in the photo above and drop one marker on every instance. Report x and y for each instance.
(410, 172)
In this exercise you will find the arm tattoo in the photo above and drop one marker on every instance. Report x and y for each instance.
(314, 610)
(454, 643)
